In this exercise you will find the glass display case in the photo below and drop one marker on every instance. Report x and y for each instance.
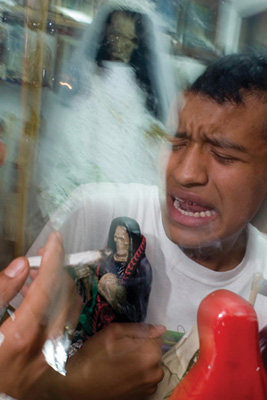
(88, 96)
(37, 46)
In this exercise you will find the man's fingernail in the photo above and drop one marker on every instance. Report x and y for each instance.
(15, 268)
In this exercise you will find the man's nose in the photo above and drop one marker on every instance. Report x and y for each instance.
(191, 167)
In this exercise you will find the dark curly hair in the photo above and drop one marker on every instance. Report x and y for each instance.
(229, 77)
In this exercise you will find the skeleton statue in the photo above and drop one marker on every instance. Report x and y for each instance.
(118, 288)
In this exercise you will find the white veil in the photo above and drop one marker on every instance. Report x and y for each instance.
(67, 149)
(83, 64)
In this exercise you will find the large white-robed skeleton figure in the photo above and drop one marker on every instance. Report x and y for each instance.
(109, 125)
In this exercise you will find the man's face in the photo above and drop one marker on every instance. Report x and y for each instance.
(121, 37)
(121, 239)
(216, 178)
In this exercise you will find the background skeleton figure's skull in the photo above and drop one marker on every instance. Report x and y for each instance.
(121, 36)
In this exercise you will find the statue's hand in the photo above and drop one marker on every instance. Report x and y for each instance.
(110, 288)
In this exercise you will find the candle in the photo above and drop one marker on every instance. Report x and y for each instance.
(90, 257)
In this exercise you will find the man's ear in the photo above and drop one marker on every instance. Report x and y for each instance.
(2, 153)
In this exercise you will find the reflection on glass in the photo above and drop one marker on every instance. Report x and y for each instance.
(74, 99)
(86, 89)
(108, 124)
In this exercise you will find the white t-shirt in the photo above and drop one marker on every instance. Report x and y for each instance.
(179, 284)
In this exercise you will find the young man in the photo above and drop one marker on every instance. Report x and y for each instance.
(197, 226)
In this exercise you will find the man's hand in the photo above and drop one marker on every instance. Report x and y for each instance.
(12, 280)
(124, 362)
(43, 314)
(120, 362)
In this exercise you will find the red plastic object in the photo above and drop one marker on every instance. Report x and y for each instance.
(229, 366)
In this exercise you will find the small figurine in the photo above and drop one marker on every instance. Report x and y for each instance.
(118, 288)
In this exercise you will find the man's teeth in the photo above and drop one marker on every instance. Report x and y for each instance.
(202, 214)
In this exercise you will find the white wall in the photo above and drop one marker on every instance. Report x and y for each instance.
(247, 8)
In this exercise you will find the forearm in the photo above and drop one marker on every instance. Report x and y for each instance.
(51, 386)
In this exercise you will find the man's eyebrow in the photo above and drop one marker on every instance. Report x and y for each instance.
(226, 144)
(178, 135)
(217, 142)
(181, 135)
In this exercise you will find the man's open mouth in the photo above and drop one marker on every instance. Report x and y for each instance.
(192, 209)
